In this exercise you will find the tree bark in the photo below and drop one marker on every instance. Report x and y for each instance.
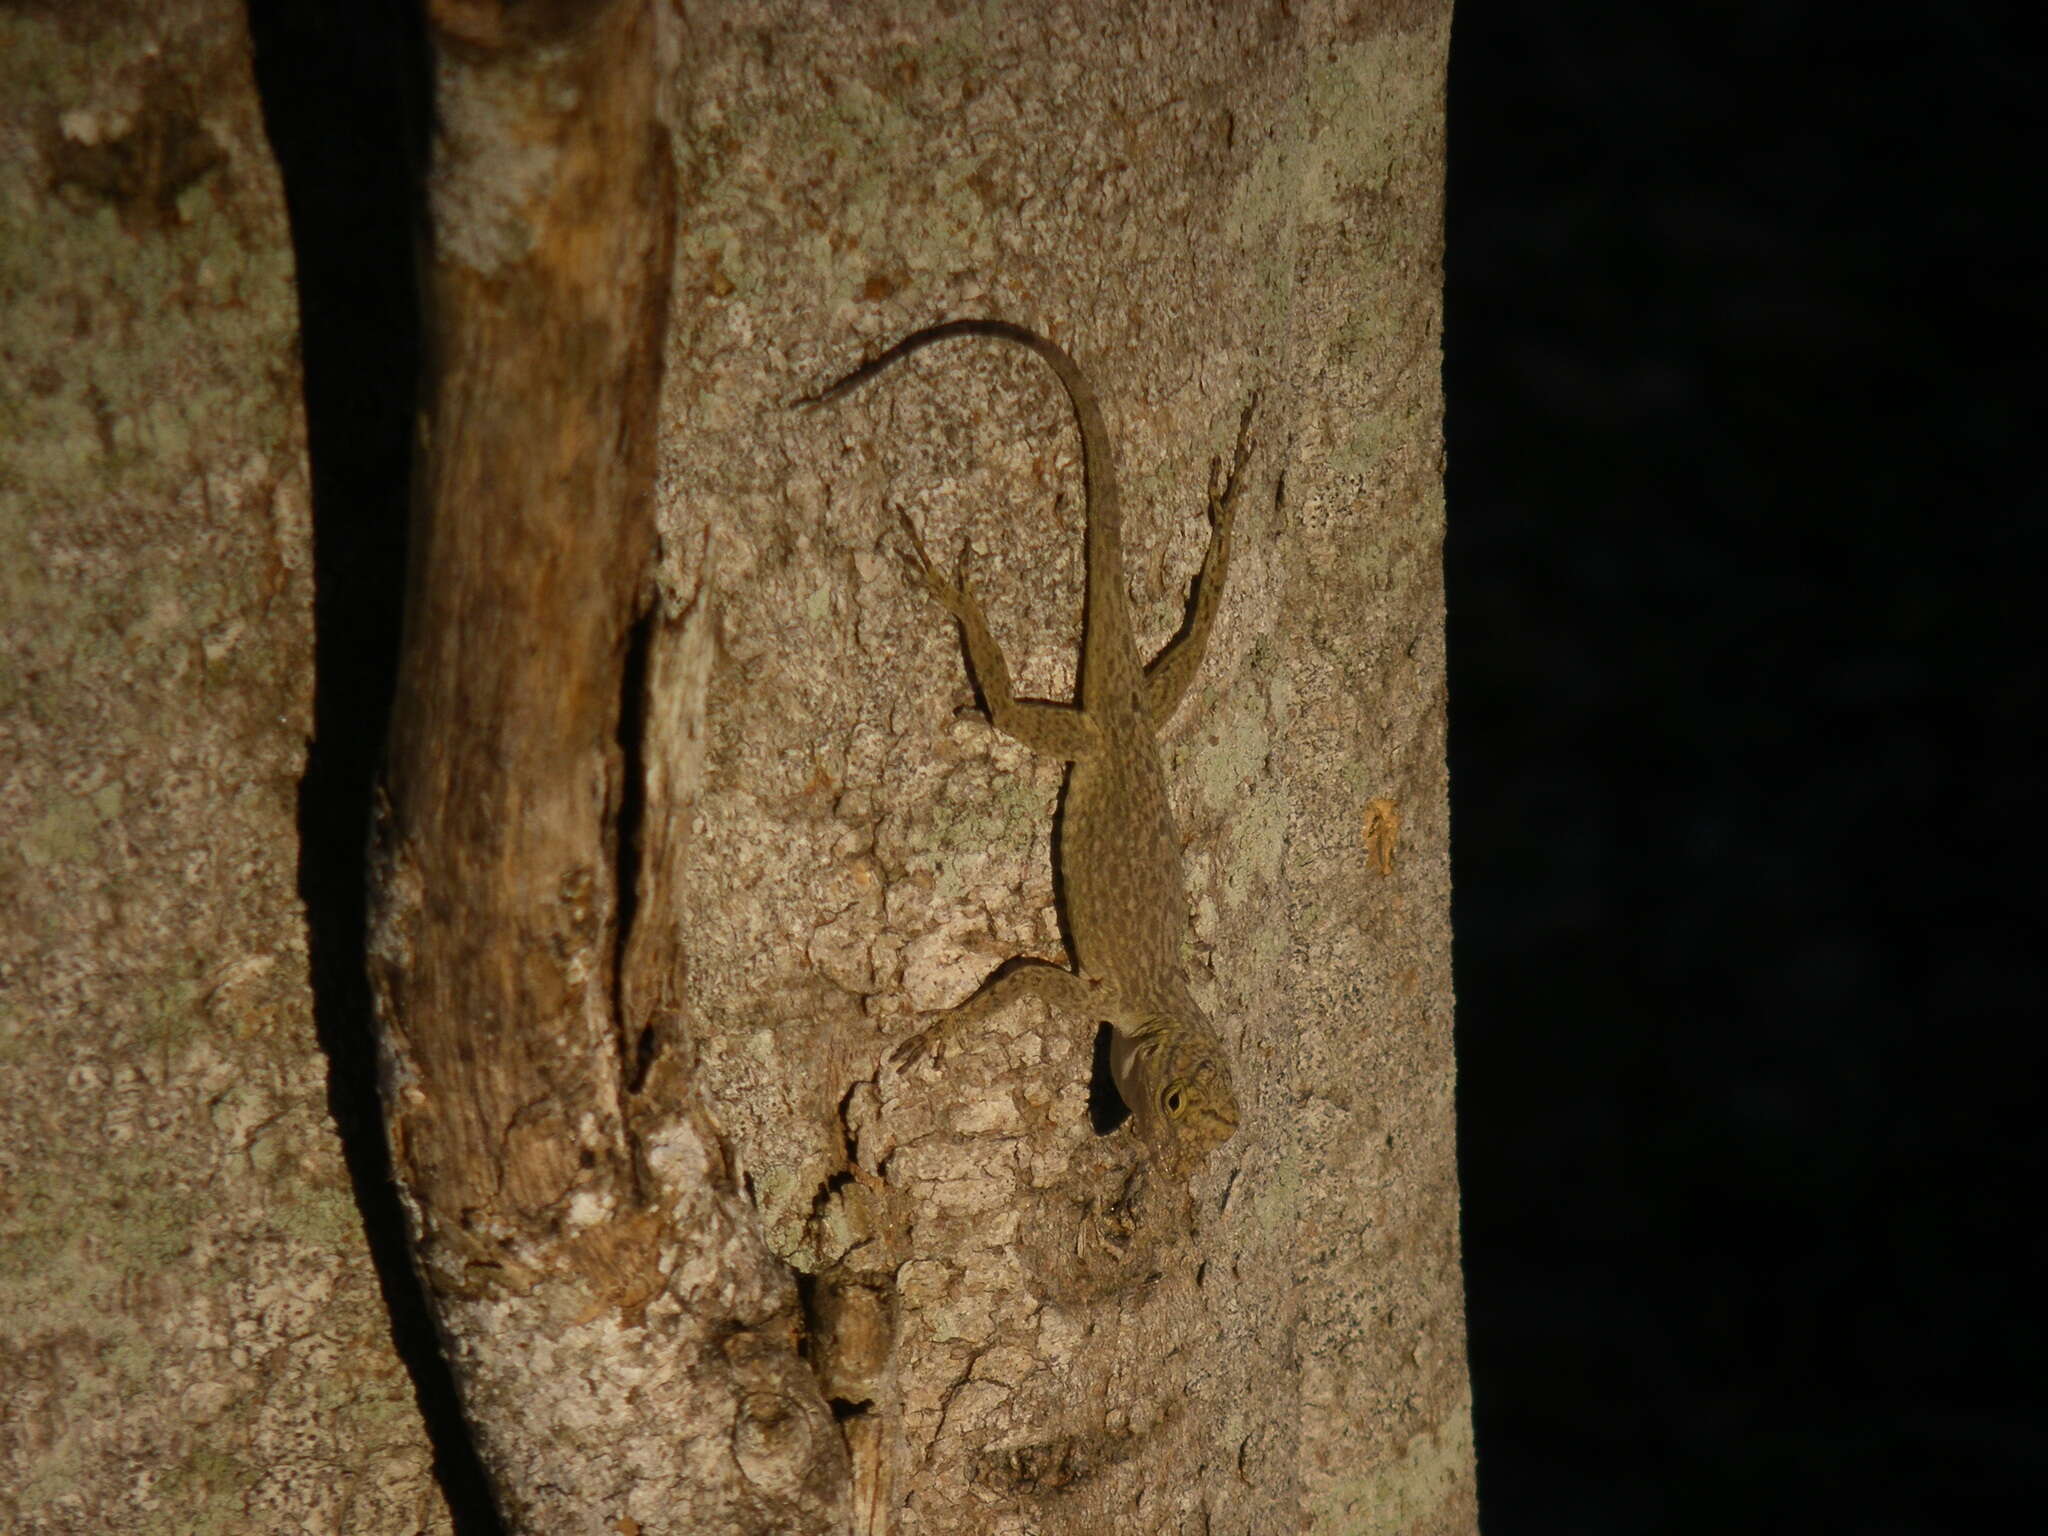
(687, 809)
(624, 1342)
(1018, 1328)
(192, 1335)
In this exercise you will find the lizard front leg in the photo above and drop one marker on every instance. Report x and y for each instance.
(1055, 985)
(1174, 668)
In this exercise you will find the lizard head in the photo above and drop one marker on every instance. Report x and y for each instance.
(1177, 1083)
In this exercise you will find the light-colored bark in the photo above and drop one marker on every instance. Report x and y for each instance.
(788, 1289)
(191, 1336)
(1199, 202)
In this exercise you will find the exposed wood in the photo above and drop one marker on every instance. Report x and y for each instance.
(624, 1344)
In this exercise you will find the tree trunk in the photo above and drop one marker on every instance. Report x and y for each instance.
(1200, 203)
(688, 812)
(192, 1335)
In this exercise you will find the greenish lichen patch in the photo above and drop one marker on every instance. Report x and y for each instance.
(1405, 1494)
(73, 1232)
(205, 1493)
(1361, 108)
(323, 1216)
(157, 362)
(67, 832)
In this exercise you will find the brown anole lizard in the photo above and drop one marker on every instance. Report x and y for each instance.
(1118, 854)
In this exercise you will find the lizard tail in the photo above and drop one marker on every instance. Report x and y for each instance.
(1110, 653)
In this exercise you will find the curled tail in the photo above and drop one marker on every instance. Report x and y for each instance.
(1109, 650)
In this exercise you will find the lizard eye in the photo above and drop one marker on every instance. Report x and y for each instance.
(1175, 1100)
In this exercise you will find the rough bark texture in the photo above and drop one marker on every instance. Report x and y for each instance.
(638, 878)
(1021, 1330)
(191, 1335)
(625, 1345)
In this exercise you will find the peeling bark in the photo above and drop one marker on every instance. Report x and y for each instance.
(624, 1342)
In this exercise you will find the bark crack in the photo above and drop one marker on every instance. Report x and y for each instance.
(636, 1050)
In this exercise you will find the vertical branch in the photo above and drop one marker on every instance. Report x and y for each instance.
(623, 1343)
(546, 289)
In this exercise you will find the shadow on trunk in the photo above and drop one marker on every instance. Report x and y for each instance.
(345, 95)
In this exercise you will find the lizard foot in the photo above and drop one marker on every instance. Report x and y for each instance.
(903, 1056)
(954, 597)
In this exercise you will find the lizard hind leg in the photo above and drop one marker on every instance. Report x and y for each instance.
(1054, 985)
(1057, 730)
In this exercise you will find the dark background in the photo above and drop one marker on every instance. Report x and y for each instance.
(1742, 363)
(1744, 377)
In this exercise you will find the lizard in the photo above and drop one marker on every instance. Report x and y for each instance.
(1118, 854)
